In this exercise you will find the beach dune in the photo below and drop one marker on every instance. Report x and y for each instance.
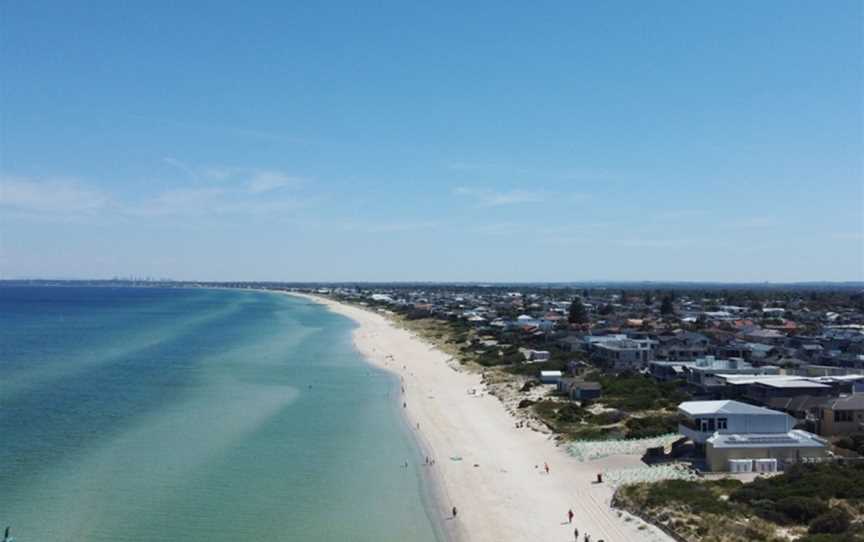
(492, 472)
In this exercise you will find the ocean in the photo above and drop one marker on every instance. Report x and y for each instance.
(132, 414)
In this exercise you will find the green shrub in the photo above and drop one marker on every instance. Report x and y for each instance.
(638, 392)
(845, 537)
(651, 426)
(554, 412)
(596, 433)
(801, 509)
(834, 521)
(606, 418)
(767, 509)
(570, 413)
(700, 497)
(854, 443)
(546, 409)
(822, 480)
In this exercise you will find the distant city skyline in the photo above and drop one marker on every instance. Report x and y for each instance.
(557, 142)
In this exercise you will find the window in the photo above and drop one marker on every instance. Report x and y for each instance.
(842, 415)
(721, 423)
(711, 424)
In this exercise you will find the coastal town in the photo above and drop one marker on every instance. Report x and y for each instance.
(620, 412)
(713, 395)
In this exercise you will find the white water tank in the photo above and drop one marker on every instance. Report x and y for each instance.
(765, 465)
(740, 465)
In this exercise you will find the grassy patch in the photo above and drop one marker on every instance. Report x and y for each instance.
(823, 481)
(569, 419)
(823, 499)
(634, 392)
(651, 426)
(699, 497)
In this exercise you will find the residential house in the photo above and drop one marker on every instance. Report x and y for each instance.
(572, 343)
(842, 416)
(579, 390)
(763, 391)
(625, 353)
(704, 375)
(535, 356)
(550, 377)
(669, 370)
(684, 346)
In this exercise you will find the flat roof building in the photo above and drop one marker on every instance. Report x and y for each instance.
(730, 430)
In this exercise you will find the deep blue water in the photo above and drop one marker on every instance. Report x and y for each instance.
(184, 414)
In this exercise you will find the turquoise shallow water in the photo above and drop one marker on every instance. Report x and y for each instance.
(167, 414)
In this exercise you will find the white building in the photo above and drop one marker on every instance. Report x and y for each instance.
(729, 430)
(550, 377)
(705, 372)
(625, 353)
(535, 356)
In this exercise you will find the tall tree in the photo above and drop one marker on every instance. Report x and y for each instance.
(666, 307)
(578, 314)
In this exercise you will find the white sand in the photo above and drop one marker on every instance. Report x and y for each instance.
(507, 496)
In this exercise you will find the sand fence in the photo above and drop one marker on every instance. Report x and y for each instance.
(589, 450)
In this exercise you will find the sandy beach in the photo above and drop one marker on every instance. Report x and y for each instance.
(492, 472)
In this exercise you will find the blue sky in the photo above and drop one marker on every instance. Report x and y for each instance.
(496, 141)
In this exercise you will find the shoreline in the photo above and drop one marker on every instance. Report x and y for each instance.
(433, 490)
(486, 467)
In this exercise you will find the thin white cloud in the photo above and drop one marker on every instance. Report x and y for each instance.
(255, 181)
(51, 196)
(267, 181)
(63, 199)
(181, 201)
(492, 198)
(213, 201)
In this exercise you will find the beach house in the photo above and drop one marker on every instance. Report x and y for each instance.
(578, 389)
(624, 353)
(730, 434)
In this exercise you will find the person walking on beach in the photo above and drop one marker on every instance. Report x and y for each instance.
(454, 512)
(576, 534)
(546, 466)
(570, 516)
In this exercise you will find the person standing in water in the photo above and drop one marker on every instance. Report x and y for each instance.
(570, 516)
(454, 512)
